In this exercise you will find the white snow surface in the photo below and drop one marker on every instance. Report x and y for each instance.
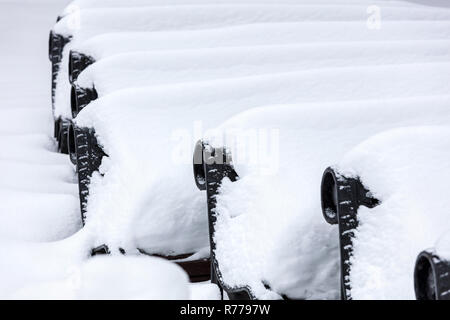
(281, 205)
(44, 255)
(91, 22)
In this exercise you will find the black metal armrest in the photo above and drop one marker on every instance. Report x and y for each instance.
(341, 197)
(432, 277)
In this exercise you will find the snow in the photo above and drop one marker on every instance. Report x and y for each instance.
(92, 22)
(44, 255)
(131, 278)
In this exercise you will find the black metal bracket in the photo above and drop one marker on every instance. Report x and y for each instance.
(56, 46)
(341, 198)
(62, 131)
(197, 270)
(77, 63)
(432, 277)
